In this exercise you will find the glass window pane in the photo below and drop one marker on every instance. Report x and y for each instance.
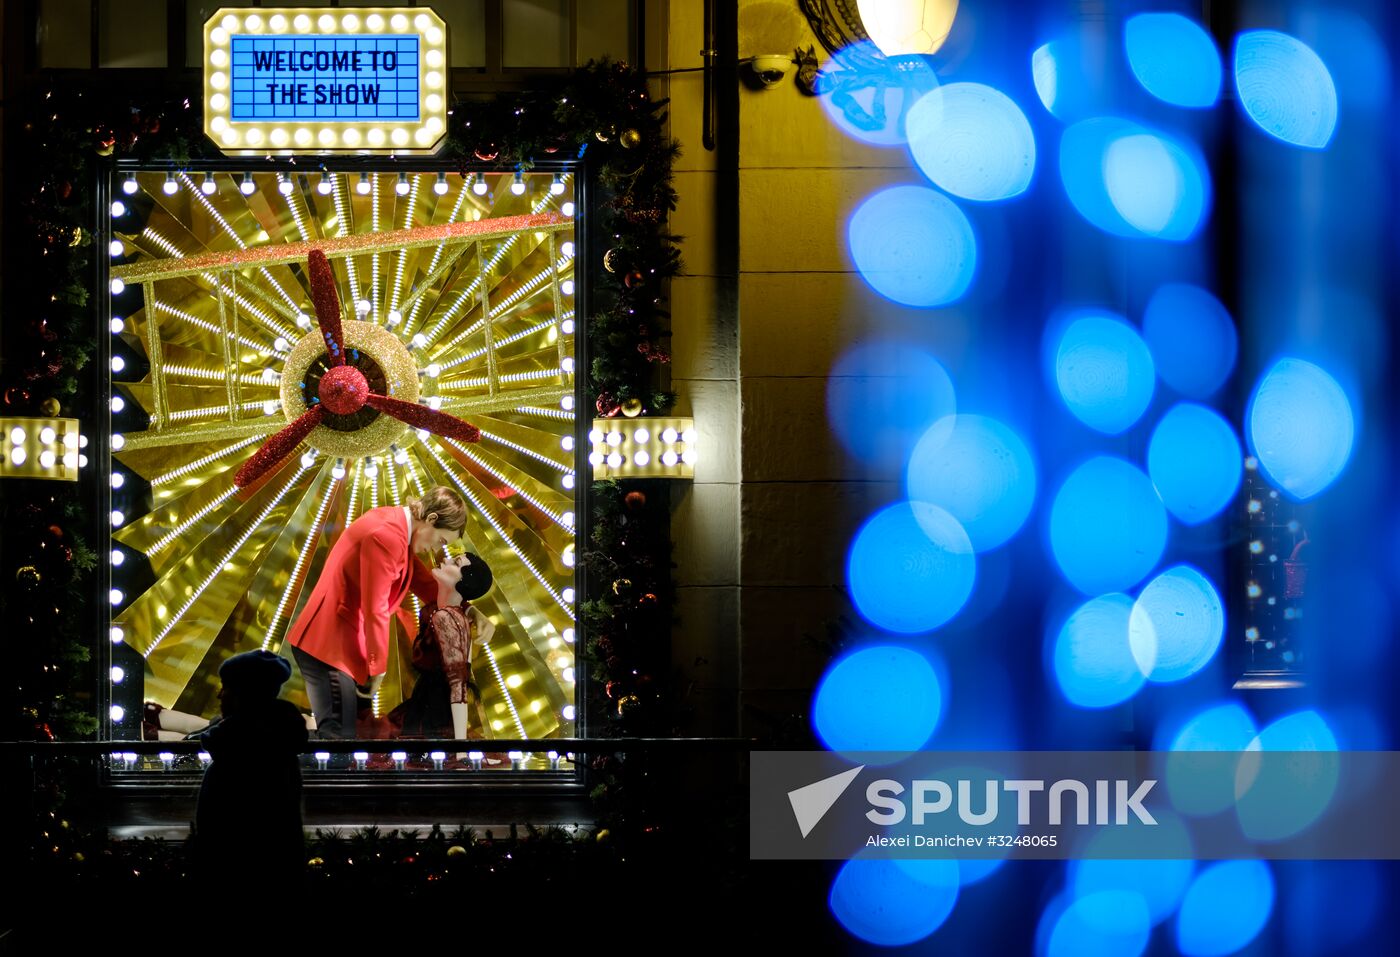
(604, 29)
(536, 33)
(466, 30)
(65, 29)
(132, 33)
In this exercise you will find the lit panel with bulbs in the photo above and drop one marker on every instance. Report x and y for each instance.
(325, 80)
(643, 448)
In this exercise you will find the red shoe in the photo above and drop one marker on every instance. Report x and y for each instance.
(150, 721)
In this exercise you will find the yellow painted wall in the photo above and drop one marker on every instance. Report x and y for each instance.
(761, 538)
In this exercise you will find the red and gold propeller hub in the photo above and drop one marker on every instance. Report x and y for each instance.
(344, 392)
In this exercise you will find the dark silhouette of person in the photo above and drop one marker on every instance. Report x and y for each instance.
(248, 822)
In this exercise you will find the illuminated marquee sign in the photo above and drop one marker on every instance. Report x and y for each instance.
(325, 80)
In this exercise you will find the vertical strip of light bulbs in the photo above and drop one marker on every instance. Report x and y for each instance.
(342, 215)
(228, 557)
(373, 312)
(410, 201)
(437, 257)
(313, 534)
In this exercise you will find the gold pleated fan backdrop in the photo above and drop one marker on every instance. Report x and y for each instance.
(458, 293)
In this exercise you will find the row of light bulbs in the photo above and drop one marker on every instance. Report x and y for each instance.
(209, 186)
(130, 759)
(246, 186)
(70, 454)
(614, 459)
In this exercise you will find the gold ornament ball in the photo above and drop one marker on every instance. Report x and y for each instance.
(602, 835)
(610, 260)
(626, 703)
(50, 406)
(456, 850)
(621, 585)
(315, 862)
(79, 857)
(632, 407)
(630, 139)
(600, 136)
(28, 576)
(79, 237)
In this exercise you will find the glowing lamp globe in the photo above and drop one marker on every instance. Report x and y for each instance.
(907, 27)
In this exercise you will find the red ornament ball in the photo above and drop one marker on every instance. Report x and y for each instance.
(343, 390)
(487, 153)
(634, 279)
(607, 405)
(635, 500)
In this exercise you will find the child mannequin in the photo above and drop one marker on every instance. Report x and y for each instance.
(450, 633)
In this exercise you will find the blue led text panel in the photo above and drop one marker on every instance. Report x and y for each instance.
(331, 78)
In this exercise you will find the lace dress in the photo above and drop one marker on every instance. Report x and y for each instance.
(442, 654)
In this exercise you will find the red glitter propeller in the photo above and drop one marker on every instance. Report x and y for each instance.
(343, 389)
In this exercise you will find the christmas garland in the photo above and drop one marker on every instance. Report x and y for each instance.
(601, 113)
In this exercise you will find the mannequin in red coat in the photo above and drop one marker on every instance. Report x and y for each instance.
(341, 638)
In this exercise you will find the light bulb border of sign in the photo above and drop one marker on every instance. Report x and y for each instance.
(319, 136)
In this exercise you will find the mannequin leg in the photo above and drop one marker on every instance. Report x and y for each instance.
(459, 724)
(179, 721)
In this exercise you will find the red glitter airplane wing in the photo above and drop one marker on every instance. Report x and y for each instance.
(277, 448)
(327, 302)
(422, 417)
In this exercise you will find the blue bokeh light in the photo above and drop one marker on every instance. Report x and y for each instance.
(1104, 371)
(1300, 426)
(1108, 528)
(1103, 924)
(1200, 781)
(1161, 880)
(972, 141)
(913, 246)
(1045, 74)
(879, 698)
(868, 96)
(1192, 338)
(1195, 462)
(1284, 87)
(882, 397)
(1094, 664)
(1173, 58)
(1128, 180)
(1177, 624)
(894, 902)
(911, 568)
(1225, 908)
(1155, 185)
(1224, 727)
(1068, 75)
(980, 472)
(1309, 783)
(1299, 731)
